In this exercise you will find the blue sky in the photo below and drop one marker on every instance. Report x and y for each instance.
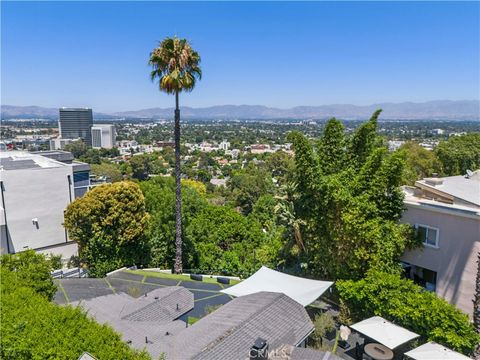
(279, 54)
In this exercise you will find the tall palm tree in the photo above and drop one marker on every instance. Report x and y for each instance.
(176, 67)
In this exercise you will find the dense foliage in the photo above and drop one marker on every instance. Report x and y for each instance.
(419, 163)
(350, 201)
(159, 194)
(409, 305)
(217, 238)
(34, 328)
(109, 224)
(459, 154)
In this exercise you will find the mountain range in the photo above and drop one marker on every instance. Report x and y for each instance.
(431, 110)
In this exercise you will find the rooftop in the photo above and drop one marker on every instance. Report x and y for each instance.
(21, 160)
(462, 187)
(455, 193)
(230, 331)
(146, 322)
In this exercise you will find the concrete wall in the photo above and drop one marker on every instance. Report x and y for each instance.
(41, 193)
(455, 259)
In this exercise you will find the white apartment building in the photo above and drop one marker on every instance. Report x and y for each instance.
(35, 191)
(446, 214)
(103, 136)
(59, 143)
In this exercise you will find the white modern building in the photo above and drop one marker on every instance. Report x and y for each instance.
(446, 213)
(224, 145)
(103, 136)
(35, 191)
(59, 143)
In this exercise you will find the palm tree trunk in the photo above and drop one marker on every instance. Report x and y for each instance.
(178, 193)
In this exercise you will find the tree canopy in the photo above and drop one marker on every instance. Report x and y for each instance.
(109, 224)
(459, 154)
(350, 201)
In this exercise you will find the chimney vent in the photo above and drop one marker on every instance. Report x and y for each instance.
(259, 350)
(434, 181)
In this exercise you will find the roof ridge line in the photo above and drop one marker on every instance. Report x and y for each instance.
(236, 327)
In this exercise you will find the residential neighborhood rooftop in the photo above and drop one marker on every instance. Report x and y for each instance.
(230, 331)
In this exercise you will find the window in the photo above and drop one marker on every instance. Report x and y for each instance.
(428, 235)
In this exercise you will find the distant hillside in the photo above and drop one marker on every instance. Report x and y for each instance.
(442, 109)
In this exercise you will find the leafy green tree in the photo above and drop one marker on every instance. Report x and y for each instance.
(409, 305)
(349, 213)
(280, 164)
(109, 225)
(247, 185)
(77, 148)
(32, 327)
(141, 166)
(109, 170)
(459, 154)
(419, 162)
(177, 67)
(224, 240)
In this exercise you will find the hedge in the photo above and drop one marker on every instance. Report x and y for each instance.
(402, 301)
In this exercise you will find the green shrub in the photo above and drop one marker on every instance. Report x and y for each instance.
(32, 327)
(28, 269)
(323, 323)
(409, 305)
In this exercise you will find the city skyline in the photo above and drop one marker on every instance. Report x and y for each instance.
(274, 54)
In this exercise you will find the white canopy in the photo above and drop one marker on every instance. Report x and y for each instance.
(384, 332)
(434, 351)
(303, 291)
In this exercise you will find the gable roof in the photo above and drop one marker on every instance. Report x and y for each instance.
(229, 332)
(146, 322)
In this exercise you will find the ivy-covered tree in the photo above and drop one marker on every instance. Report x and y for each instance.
(350, 201)
(332, 147)
(109, 225)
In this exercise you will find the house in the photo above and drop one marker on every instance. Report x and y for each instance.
(148, 322)
(446, 213)
(153, 322)
(231, 331)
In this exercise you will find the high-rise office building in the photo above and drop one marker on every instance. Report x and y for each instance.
(103, 136)
(76, 123)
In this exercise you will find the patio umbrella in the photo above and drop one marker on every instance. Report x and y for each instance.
(384, 332)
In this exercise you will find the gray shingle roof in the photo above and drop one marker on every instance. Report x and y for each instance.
(145, 322)
(229, 332)
(164, 304)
